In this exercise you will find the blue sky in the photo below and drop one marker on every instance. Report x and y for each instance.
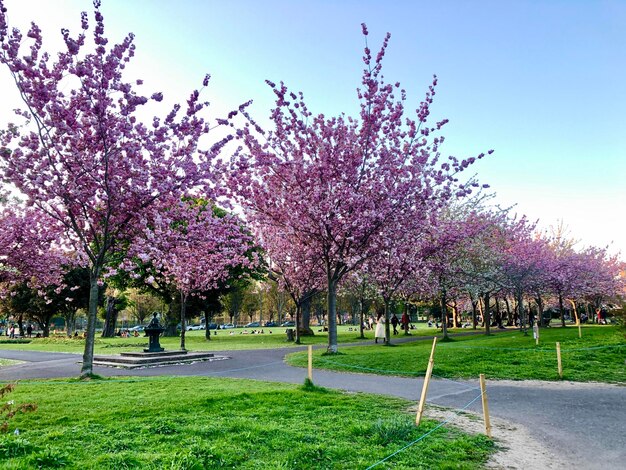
(541, 82)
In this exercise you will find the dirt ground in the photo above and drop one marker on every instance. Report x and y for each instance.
(516, 447)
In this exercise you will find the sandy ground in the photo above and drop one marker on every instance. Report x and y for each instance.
(516, 448)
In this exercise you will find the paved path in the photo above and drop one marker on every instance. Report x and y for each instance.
(582, 423)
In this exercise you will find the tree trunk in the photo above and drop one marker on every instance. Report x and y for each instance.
(332, 316)
(520, 311)
(474, 311)
(20, 325)
(498, 313)
(87, 367)
(362, 318)
(539, 301)
(298, 320)
(509, 318)
(45, 326)
(305, 315)
(70, 322)
(207, 319)
(444, 313)
(172, 319)
(562, 310)
(183, 325)
(481, 310)
(110, 319)
(487, 315)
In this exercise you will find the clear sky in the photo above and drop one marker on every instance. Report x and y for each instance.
(541, 82)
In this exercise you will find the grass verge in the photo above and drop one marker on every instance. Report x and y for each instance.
(598, 356)
(197, 423)
(194, 341)
(8, 362)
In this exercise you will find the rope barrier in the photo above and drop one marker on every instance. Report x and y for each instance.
(421, 374)
(351, 366)
(425, 435)
(551, 350)
(468, 386)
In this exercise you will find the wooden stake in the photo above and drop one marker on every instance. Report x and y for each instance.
(311, 362)
(558, 359)
(483, 392)
(429, 371)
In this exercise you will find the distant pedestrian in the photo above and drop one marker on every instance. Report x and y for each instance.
(394, 323)
(380, 329)
(370, 322)
(12, 332)
(29, 330)
(405, 323)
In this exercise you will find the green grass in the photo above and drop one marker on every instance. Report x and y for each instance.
(194, 341)
(196, 423)
(599, 356)
(8, 362)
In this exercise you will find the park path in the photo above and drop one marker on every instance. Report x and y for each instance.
(583, 425)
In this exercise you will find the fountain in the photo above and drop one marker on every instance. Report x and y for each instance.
(154, 354)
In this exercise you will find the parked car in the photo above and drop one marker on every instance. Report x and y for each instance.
(252, 324)
(288, 323)
(227, 326)
(138, 328)
(212, 326)
(270, 323)
(194, 327)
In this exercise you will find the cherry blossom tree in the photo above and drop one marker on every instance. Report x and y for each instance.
(191, 248)
(524, 260)
(590, 274)
(295, 271)
(398, 258)
(31, 249)
(358, 286)
(81, 155)
(338, 181)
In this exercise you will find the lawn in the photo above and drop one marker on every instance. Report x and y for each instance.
(599, 356)
(8, 362)
(195, 341)
(196, 423)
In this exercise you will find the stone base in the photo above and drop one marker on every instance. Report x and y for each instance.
(147, 353)
(134, 360)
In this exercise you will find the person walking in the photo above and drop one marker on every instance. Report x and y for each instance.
(380, 329)
(29, 330)
(405, 323)
(394, 323)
